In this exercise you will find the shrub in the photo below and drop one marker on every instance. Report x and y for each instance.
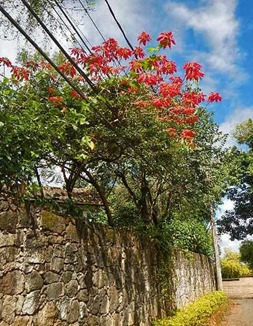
(197, 313)
(231, 266)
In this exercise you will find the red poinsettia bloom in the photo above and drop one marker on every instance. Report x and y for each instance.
(56, 100)
(20, 73)
(68, 69)
(123, 53)
(147, 78)
(75, 94)
(143, 38)
(5, 61)
(168, 67)
(192, 71)
(214, 97)
(136, 66)
(170, 90)
(192, 98)
(172, 132)
(192, 119)
(139, 52)
(166, 39)
(187, 134)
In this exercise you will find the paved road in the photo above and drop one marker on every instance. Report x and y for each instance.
(241, 313)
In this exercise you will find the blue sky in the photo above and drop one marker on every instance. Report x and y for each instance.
(216, 33)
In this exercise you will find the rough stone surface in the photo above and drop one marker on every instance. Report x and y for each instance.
(34, 281)
(74, 274)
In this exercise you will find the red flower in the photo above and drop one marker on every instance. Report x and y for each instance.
(139, 52)
(214, 97)
(20, 73)
(75, 94)
(187, 134)
(192, 119)
(57, 100)
(193, 98)
(192, 71)
(172, 132)
(136, 66)
(124, 53)
(168, 67)
(166, 39)
(68, 69)
(160, 102)
(31, 64)
(167, 89)
(143, 38)
(147, 78)
(176, 80)
(188, 111)
(5, 61)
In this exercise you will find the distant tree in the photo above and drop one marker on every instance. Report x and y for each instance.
(239, 221)
(231, 265)
(246, 252)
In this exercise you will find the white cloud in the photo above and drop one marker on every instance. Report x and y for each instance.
(129, 14)
(238, 115)
(215, 22)
(225, 243)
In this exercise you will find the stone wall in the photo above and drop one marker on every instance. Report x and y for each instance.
(70, 273)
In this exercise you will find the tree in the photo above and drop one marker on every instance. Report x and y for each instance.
(239, 221)
(246, 252)
(231, 265)
(133, 125)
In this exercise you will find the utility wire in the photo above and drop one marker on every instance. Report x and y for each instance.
(61, 21)
(120, 27)
(93, 22)
(81, 72)
(29, 39)
(72, 25)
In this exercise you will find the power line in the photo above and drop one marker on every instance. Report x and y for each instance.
(119, 25)
(93, 22)
(72, 25)
(63, 22)
(29, 39)
(81, 72)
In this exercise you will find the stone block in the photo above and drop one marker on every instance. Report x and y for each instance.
(66, 276)
(31, 303)
(83, 295)
(71, 233)
(7, 240)
(47, 315)
(8, 254)
(22, 321)
(8, 312)
(9, 221)
(54, 290)
(12, 283)
(50, 277)
(74, 312)
(71, 288)
(57, 264)
(33, 281)
(52, 222)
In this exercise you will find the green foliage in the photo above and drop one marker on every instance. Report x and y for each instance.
(191, 235)
(188, 236)
(197, 313)
(246, 252)
(231, 266)
(238, 222)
